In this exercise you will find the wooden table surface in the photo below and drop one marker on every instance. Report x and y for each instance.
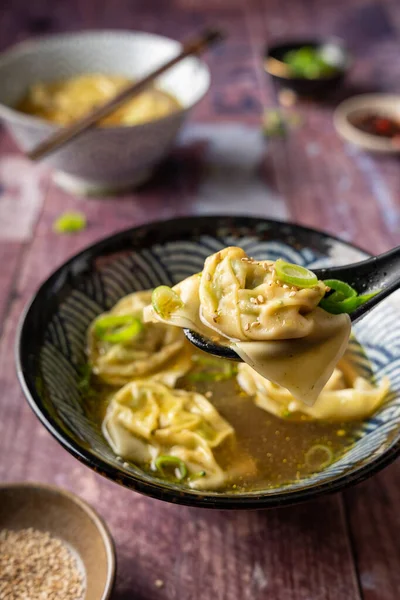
(345, 546)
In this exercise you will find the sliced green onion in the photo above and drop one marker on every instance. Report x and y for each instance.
(344, 298)
(295, 274)
(311, 455)
(220, 371)
(166, 461)
(337, 308)
(165, 301)
(363, 298)
(70, 222)
(208, 377)
(117, 328)
(286, 414)
(197, 377)
(198, 475)
(341, 289)
(273, 123)
(207, 360)
(85, 380)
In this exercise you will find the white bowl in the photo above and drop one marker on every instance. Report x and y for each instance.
(384, 104)
(102, 160)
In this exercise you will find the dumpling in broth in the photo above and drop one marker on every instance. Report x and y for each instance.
(146, 419)
(346, 397)
(157, 350)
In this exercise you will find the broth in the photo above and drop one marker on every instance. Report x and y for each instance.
(267, 452)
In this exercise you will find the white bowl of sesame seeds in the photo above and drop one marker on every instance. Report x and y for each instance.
(52, 545)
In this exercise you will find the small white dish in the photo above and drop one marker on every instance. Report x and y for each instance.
(104, 159)
(387, 105)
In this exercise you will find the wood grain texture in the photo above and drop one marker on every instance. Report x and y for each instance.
(343, 547)
(374, 522)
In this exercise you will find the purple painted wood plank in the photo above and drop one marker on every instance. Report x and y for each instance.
(373, 511)
(297, 553)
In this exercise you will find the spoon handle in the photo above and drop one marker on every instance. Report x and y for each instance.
(368, 275)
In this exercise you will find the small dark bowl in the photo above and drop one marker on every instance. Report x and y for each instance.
(302, 86)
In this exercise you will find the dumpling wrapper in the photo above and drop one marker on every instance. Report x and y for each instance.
(236, 293)
(346, 397)
(146, 419)
(302, 365)
(277, 329)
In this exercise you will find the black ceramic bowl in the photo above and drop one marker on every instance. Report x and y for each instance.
(276, 67)
(52, 337)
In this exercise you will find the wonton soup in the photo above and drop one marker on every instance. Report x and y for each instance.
(212, 424)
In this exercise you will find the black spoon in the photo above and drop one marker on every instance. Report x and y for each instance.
(378, 273)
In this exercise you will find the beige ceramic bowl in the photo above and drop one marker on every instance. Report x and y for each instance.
(67, 517)
(104, 159)
(387, 105)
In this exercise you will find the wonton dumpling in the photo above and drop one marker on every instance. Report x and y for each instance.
(242, 300)
(146, 419)
(276, 328)
(346, 397)
(159, 351)
(303, 365)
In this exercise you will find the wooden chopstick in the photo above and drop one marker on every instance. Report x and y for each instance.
(63, 136)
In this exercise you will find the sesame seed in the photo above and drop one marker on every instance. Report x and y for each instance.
(285, 286)
(292, 294)
(260, 298)
(253, 300)
(208, 394)
(34, 564)
(159, 583)
(247, 327)
(255, 324)
(208, 277)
